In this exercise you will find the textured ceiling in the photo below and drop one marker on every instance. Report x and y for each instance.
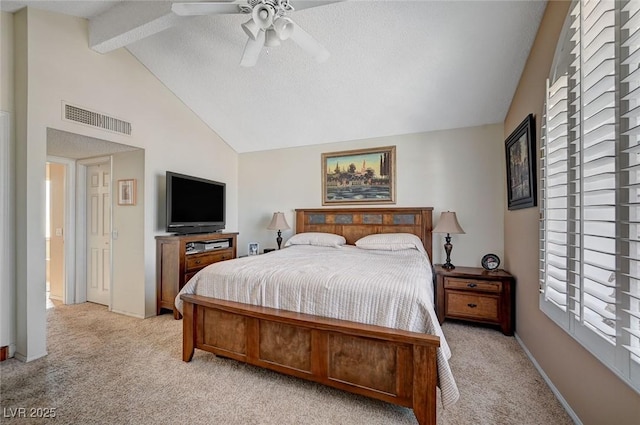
(396, 67)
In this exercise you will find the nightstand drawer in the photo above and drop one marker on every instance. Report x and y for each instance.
(197, 261)
(474, 306)
(472, 284)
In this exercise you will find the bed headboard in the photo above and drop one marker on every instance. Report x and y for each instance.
(354, 223)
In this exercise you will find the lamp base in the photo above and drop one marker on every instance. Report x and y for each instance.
(447, 249)
(279, 238)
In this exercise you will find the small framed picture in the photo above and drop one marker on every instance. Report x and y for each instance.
(254, 248)
(127, 192)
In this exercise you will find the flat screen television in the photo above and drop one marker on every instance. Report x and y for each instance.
(194, 205)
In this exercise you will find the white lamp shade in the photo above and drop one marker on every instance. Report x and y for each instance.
(251, 28)
(278, 222)
(263, 15)
(283, 27)
(448, 223)
(272, 39)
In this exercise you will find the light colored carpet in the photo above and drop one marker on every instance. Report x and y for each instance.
(104, 368)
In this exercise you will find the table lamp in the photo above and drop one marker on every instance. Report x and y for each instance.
(278, 223)
(448, 224)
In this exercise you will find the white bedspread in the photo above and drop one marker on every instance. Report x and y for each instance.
(384, 288)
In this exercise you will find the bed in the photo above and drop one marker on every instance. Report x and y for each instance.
(348, 337)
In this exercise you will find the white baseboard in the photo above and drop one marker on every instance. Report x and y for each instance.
(126, 313)
(25, 359)
(553, 388)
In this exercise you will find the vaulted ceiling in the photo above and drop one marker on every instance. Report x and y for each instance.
(396, 67)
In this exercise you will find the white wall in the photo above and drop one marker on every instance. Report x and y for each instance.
(7, 159)
(53, 55)
(459, 170)
(30, 159)
(6, 62)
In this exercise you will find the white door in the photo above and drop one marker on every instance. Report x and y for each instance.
(98, 233)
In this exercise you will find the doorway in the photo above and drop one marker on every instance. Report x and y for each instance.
(54, 232)
(99, 236)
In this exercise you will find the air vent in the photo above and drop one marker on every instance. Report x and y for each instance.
(95, 119)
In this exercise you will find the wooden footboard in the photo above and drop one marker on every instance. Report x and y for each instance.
(383, 363)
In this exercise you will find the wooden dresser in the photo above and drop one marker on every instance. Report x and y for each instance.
(474, 294)
(179, 257)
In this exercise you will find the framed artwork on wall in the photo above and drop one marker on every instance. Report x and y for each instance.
(521, 166)
(362, 176)
(127, 192)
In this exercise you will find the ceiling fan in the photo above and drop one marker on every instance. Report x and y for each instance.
(268, 26)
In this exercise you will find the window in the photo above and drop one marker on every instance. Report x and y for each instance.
(590, 184)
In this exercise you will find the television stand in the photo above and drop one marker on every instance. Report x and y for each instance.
(180, 257)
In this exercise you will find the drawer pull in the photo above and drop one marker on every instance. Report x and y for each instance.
(472, 285)
(472, 305)
(198, 261)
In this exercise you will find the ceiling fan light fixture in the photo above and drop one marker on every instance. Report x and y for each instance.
(272, 39)
(268, 26)
(263, 15)
(283, 27)
(251, 28)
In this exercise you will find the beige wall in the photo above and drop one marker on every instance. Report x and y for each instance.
(128, 236)
(56, 64)
(433, 169)
(594, 393)
(56, 241)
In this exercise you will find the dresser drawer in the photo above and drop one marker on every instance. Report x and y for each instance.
(480, 307)
(473, 284)
(197, 261)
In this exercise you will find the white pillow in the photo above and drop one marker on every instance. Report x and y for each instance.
(391, 242)
(317, 239)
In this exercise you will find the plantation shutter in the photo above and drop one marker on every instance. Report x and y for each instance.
(597, 156)
(554, 203)
(590, 184)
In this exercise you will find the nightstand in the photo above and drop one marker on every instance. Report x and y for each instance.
(477, 295)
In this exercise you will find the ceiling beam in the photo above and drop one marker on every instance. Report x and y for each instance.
(128, 22)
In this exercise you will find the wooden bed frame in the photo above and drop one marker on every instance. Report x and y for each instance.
(392, 365)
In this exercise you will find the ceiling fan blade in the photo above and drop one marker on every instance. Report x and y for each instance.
(207, 8)
(252, 50)
(307, 4)
(309, 44)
